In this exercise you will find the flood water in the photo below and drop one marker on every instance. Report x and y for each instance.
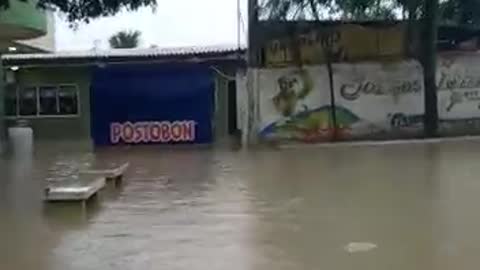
(218, 208)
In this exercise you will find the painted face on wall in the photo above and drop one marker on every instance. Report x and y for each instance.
(286, 100)
(292, 88)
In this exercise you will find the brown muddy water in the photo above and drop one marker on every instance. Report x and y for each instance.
(414, 207)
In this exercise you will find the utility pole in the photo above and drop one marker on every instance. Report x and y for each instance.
(252, 28)
(429, 59)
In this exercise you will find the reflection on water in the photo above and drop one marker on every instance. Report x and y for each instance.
(265, 209)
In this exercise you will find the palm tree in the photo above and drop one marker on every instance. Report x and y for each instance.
(125, 39)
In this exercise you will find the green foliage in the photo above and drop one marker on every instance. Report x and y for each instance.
(329, 9)
(461, 12)
(455, 12)
(85, 10)
(125, 40)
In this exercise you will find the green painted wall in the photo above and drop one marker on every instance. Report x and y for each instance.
(68, 128)
(22, 20)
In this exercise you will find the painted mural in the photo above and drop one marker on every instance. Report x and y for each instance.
(370, 100)
(387, 99)
(458, 83)
(294, 104)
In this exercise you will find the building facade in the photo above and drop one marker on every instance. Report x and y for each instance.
(128, 96)
(21, 21)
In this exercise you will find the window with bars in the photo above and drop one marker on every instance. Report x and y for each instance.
(38, 101)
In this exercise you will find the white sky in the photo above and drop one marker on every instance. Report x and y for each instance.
(174, 23)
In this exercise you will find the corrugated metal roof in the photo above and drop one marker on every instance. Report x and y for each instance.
(126, 53)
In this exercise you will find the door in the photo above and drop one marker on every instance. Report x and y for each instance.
(232, 107)
(152, 104)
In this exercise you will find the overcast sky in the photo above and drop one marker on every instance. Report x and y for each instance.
(174, 23)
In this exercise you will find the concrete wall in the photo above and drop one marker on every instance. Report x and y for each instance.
(372, 100)
(458, 80)
(59, 128)
(242, 105)
(367, 100)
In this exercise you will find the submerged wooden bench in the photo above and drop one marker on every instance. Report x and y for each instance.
(74, 191)
(113, 174)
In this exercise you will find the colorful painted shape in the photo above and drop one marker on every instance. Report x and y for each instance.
(312, 126)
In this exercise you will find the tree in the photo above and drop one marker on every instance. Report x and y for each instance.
(464, 12)
(327, 9)
(125, 39)
(452, 12)
(85, 10)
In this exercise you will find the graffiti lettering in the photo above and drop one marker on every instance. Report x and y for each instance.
(352, 91)
(326, 39)
(127, 132)
(115, 131)
(458, 97)
(311, 45)
(146, 132)
(457, 81)
(400, 120)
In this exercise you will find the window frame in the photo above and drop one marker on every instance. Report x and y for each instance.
(19, 97)
(39, 104)
(37, 87)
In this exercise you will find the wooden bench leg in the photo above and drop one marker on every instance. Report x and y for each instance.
(84, 209)
(118, 181)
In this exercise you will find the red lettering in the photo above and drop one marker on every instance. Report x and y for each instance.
(189, 130)
(128, 132)
(138, 137)
(165, 134)
(155, 132)
(177, 131)
(146, 132)
(115, 132)
(142, 133)
(152, 132)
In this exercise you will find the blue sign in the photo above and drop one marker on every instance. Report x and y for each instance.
(144, 104)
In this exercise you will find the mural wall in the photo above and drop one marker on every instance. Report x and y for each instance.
(295, 104)
(382, 100)
(458, 81)
(370, 100)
